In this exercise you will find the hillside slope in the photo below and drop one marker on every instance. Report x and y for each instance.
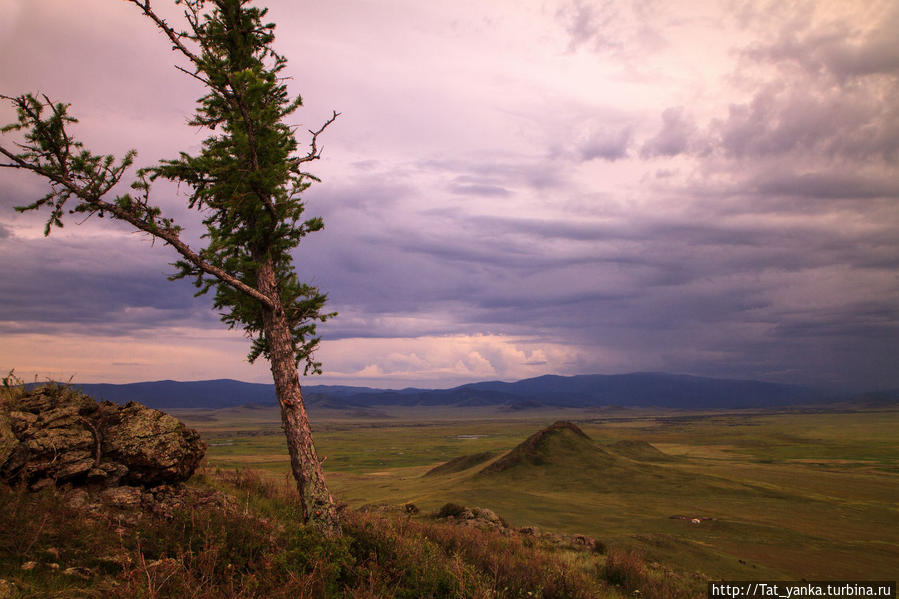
(237, 536)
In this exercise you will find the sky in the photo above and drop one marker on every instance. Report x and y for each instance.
(513, 188)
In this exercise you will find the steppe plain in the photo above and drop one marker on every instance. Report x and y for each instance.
(795, 493)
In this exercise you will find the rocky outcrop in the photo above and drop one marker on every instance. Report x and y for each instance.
(55, 435)
(487, 520)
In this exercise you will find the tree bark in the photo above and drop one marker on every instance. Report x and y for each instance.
(318, 505)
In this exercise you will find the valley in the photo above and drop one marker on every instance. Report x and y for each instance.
(740, 494)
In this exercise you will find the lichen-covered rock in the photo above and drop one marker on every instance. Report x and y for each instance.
(54, 441)
(108, 473)
(55, 435)
(156, 447)
(122, 496)
(49, 398)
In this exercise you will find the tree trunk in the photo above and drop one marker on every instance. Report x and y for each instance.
(318, 505)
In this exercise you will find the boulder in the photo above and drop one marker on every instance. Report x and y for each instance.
(54, 435)
(155, 447)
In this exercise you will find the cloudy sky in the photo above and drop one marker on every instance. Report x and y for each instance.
(514, 188)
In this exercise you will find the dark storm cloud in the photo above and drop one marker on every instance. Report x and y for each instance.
(57, 285)
(853, 342)
(706, 247)
(651, 277)
(828, 186)
(499, 302)
(868, 320)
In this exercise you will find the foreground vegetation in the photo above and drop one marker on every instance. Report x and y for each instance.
(240, 537)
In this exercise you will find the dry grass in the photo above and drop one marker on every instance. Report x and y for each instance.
(248, 544)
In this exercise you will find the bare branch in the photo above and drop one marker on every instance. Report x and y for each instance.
(173, 35)
(195, 76)
(17, 162)
(314, 152)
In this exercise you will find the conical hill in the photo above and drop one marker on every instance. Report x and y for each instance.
(561, 446)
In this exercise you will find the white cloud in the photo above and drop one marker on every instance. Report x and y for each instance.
(441, 361)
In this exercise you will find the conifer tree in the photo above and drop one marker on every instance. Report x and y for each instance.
(246, 181)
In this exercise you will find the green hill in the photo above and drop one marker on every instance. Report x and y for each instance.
(562, 457)
(639, 450)
(461, 463)
(561, 444)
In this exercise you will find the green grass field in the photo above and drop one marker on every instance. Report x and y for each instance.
(785, 495)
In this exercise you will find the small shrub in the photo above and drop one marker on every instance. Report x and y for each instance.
(12, 387)
(513, 566)
(393, 555)
(624, 568)
(450, 509)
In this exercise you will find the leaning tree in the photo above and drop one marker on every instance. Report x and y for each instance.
(246, 181)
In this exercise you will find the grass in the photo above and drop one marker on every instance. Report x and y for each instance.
(243, 540)
(793, 494)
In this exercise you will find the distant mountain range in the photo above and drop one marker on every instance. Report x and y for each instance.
(640, 389)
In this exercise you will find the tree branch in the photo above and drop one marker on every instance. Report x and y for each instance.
(195, 76)
(173, 35)
(167, 234)
(314, 152)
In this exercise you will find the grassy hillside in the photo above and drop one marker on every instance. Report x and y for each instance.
(460, 464)
(235, 535)
(639, 450)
